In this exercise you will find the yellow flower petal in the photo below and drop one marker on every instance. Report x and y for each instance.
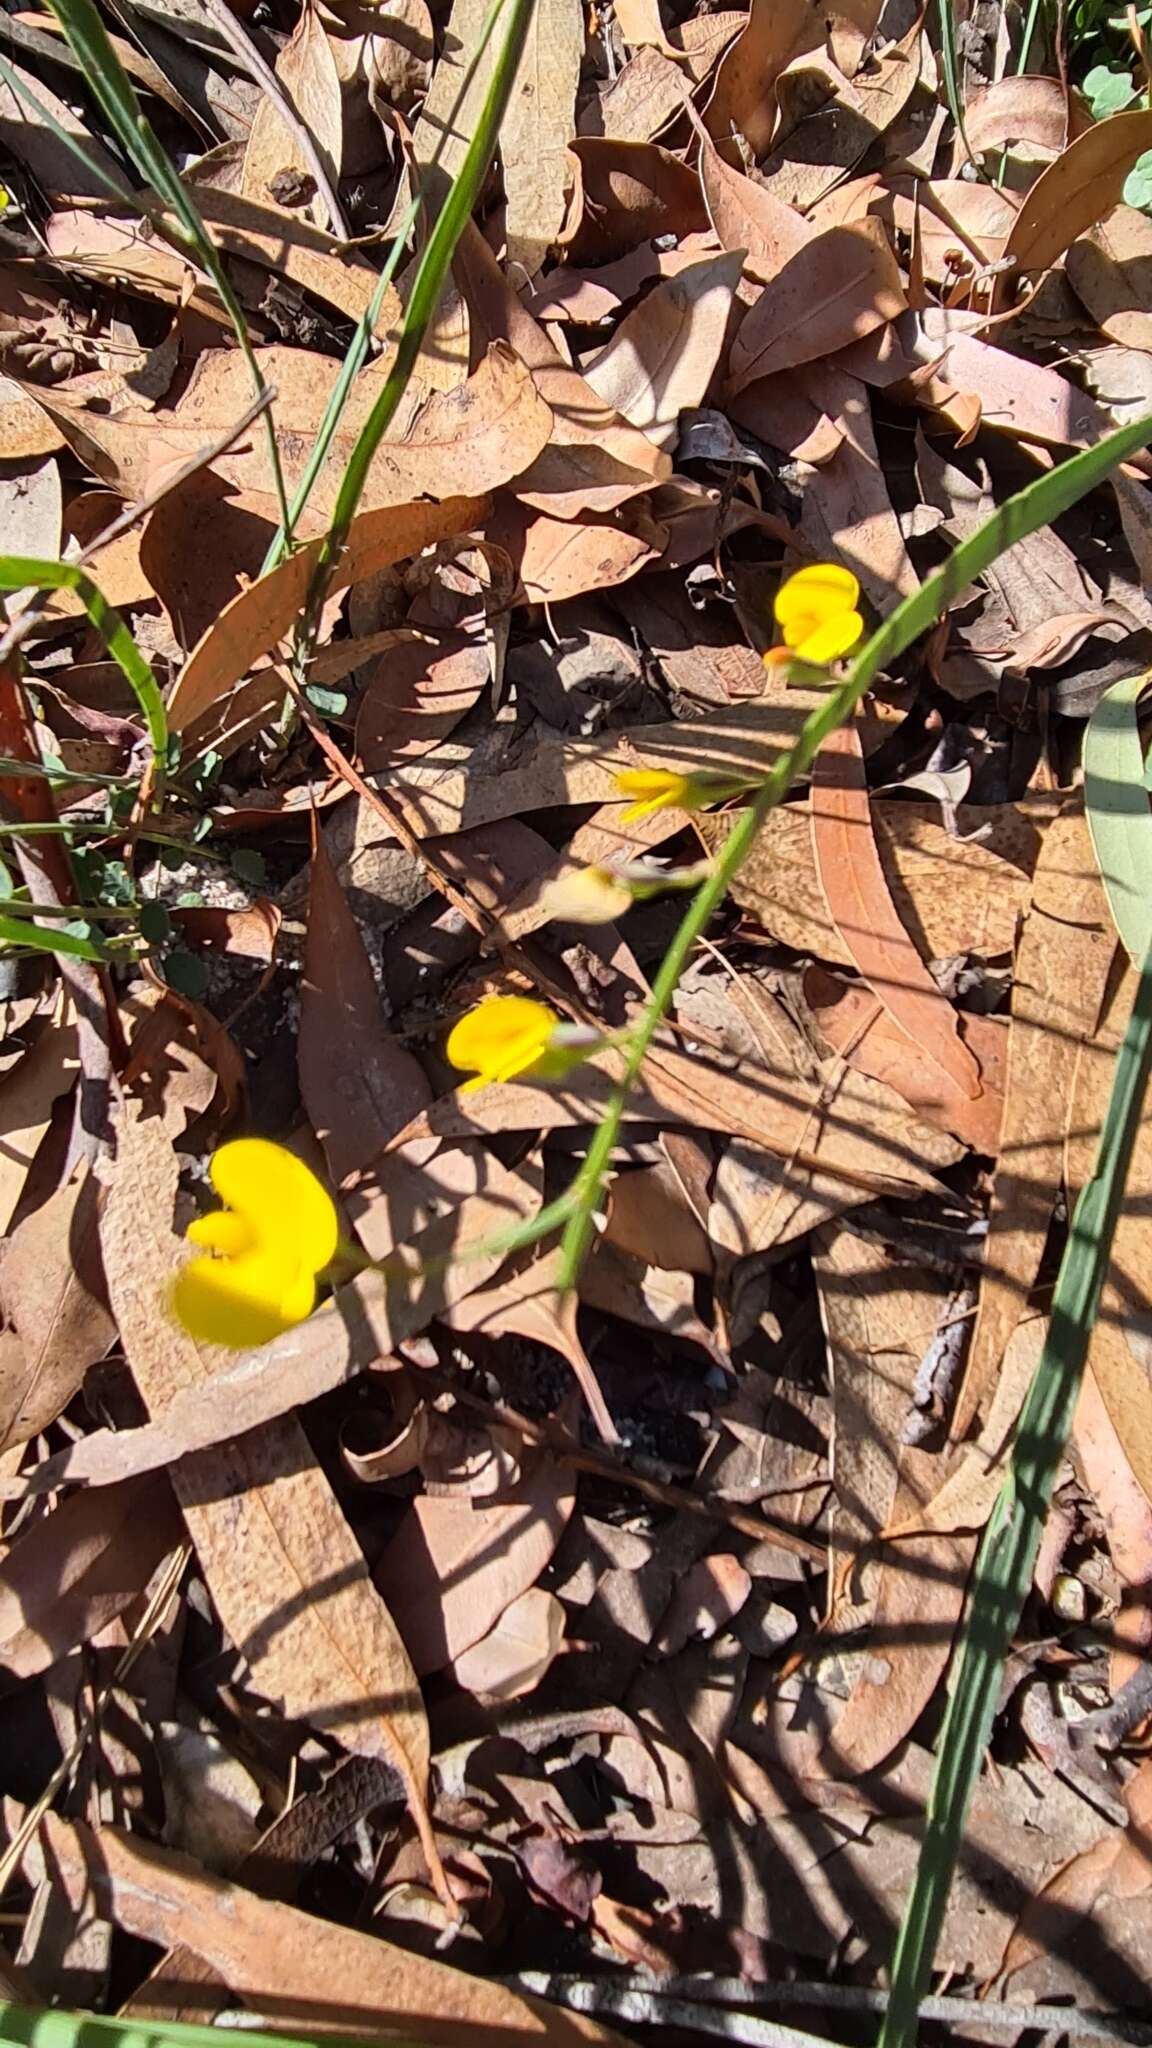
(242, 1302)
(280, 1198)
(222, 1231)
(501, 1038)
(655, 789)
(587, 896)
(818, 592)
(830, 639)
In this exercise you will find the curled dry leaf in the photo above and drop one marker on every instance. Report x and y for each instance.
(1085, 183)
(1025, 108)
(662, 357)
(52, 1289)
(627, 193)
(416, 695)
(260, 616)
(595, 459)
(306, 69)
(746, 216)
(744, 95)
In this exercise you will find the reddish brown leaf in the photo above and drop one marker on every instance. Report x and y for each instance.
(744, 96)
(359, 1086)
(861, 907)
(417, 695)
(857, 1024)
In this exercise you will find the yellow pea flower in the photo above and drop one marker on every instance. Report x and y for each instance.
(262, 1251)
(816, 610)
(502, 1037)
(506, 1036)
(654, 789)
(592, 895)
(663, 789)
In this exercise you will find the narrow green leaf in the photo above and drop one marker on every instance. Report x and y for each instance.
(41, 2029)
(20, 572)
(19, 931)
(427, 286)
(116, 95)
(1008, 1551)
(1118, 813)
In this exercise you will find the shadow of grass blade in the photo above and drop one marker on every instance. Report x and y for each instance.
(116, 95)
(20, 572)
(1036, 505)
(1119, 817)
(1007, 1554)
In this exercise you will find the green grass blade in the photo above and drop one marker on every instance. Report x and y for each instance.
(366, 327)
(32, 2028)
(952, 77)
(350, 368)
(17, 931)
(116, 95)
(1007, 1553)
(426, 289)
(1119, 817)
(1036, 505)
(20, 572)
